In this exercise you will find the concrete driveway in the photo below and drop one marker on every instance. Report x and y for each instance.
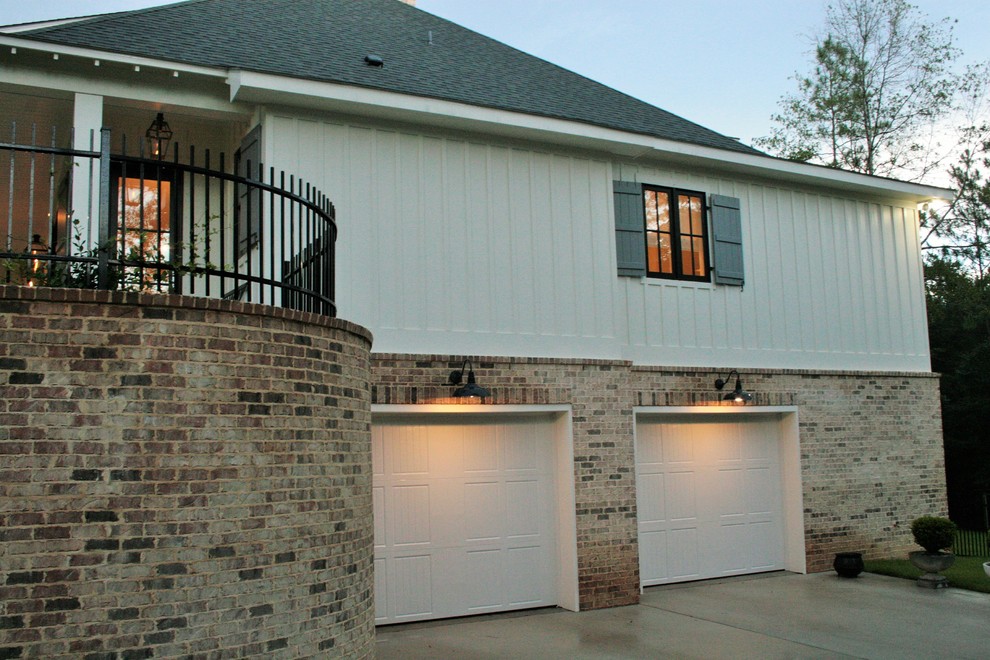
(777, 615)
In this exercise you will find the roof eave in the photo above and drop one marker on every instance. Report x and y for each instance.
(247, 86)
(8, 40)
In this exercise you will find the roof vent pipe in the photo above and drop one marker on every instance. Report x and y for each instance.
(374, 60)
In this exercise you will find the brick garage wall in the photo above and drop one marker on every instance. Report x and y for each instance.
(871, 447)
(181, 476)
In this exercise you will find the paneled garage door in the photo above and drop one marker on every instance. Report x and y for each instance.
(464, 517)
(709, 497)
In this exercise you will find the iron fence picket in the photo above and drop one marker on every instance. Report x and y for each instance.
(971, 543)
(301, 215)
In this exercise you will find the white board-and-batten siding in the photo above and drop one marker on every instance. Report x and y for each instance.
(455, 245)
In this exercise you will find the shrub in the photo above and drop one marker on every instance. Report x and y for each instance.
(933, 533)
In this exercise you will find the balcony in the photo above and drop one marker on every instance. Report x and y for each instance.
(189, 222)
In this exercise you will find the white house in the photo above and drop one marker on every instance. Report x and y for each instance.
(594, 262)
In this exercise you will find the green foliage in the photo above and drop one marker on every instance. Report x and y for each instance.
(53, 273)
(880, 79)
(142, 265)
(965, 573)
(933, 533)
(959, 335)
(961, 230)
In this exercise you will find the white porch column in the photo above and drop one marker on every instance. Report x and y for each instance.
(87, 119)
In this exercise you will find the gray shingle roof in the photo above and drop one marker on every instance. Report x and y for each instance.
(327, 40)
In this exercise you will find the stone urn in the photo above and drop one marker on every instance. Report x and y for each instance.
(932, 563)
(986, 568)
(848, 564)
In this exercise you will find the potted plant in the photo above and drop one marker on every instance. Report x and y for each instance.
(934, 534)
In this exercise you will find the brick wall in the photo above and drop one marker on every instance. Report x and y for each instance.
(182, 476)
(871, 447)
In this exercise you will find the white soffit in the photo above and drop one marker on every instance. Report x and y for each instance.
(8, 41)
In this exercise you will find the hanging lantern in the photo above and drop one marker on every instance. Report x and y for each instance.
(158, 135)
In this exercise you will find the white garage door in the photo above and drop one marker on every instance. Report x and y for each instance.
(709, 497)
(464, 517)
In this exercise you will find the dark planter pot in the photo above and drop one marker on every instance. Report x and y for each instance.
(848, 564)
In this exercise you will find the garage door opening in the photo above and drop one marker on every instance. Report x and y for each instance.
(474, 510)
(718, 493)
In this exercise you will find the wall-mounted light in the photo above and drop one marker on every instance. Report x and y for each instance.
(739, 395)
(158, 136)
(471, 389)
(37, 247)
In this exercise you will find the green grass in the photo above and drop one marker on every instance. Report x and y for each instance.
(966, 573)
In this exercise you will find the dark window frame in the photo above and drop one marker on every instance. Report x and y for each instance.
(676, 234)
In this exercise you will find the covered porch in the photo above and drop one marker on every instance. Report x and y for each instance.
(112, 193)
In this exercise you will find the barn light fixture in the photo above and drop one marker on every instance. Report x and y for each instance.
(471, 389)
(158, 136)
(739, 395)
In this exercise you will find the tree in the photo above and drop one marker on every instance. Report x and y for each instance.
(959, 333)
(882, 78)
(961, 230)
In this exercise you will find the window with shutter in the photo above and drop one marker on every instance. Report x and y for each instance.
(664, 232)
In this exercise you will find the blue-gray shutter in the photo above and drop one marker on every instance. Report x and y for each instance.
(630, 229)
(727, 232)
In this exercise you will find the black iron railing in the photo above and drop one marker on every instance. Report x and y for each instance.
(971, 543)
(201, 226)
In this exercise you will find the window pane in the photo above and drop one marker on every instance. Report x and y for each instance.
(650, 200)
(684, 213)
(687, 256)
(143, 205)
(663, 210)
(666, 255)
(652, 252)
(144, 218)
(699, 257)
(696, 217)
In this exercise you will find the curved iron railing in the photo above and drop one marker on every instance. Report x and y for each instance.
(92, 219)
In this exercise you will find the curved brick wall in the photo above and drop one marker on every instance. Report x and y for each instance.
(181, 476)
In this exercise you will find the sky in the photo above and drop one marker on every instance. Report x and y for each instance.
(723, 64)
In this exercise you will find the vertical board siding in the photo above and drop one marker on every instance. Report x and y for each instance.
(446, 240)
(451, 245)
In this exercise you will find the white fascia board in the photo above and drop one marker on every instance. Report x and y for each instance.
(38, 25)
(106, 56)
(276, 90)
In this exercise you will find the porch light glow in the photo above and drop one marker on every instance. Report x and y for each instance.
(37, 247)
(471, 389)
(739, 395)
(158, 135)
